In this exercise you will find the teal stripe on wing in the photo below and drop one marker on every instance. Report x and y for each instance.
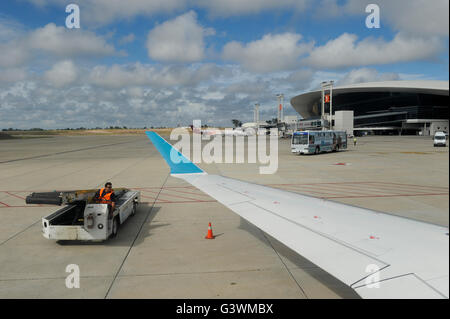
(178, 163)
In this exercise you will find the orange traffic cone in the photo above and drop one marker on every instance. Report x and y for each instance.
(210, 233)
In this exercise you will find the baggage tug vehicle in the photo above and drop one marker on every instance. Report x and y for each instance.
(81, 218)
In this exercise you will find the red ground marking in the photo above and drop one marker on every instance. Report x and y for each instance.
(14, 195)
(296, 190)
(176, 189)
(194, 200)
(328, 189)
(352, 189)
(163, 200)
(440, 187)
(25, 206)
(345, 188)
(401, 195)
(153, 187)
(5, 205)
(182, 202)
(370, 188)
(414, 187)
(200, 194)
(383, 183)
(314, 188)
(383, 187)
(361, 195)
(176, 196)
(17, 196)
(159, 194)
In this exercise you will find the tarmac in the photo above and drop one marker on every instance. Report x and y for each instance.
(161, 251)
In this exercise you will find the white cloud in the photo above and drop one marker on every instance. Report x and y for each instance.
(103, 12)
(118, 76)
(414, 17)
(240, 7)
(141, 95)
(271, 53)
(138, 94)
(10, 29)
(178, 40)
(418, 17)
(300, 79)
(345, 51)
(61, 74)
(364, 75)
(127, 39)
(65, 42)
(12, 74)
(18, 46)
(13, 54)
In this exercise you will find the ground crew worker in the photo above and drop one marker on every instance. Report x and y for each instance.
(354, 141)
(106, 195)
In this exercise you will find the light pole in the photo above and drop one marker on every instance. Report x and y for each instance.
(327, 86)
(280, 107)
(256, 115)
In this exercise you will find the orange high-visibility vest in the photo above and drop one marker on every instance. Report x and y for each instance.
(105, 198)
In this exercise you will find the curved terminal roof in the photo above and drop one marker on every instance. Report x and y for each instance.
(306, 104)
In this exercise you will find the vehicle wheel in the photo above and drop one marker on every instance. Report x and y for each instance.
(133, 211)
(317, 150)
(115, 227)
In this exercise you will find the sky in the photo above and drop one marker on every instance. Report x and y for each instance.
(144, 63)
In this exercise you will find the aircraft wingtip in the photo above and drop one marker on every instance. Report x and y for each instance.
(178, 163)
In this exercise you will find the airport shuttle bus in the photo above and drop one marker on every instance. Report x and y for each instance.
(315, 142)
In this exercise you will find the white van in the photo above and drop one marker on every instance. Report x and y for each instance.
(440, 139)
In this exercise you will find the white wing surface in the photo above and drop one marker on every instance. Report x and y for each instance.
(377, 254)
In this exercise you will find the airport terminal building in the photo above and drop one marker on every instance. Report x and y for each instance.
(399, 107)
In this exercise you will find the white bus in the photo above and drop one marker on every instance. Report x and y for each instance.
(315, 142)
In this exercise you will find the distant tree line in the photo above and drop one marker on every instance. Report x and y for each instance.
(236, 123)
(83, 128)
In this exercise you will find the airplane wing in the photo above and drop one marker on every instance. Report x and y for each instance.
(377, 254)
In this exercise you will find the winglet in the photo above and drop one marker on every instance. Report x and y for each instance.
(178, 163)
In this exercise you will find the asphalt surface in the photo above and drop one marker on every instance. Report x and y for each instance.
(161, 252)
